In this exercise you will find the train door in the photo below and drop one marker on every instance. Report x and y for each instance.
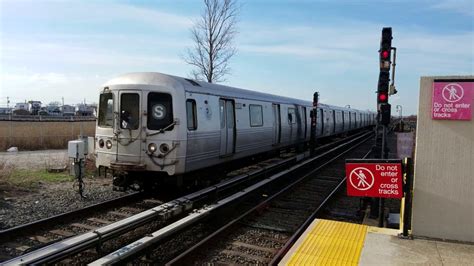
(128, 130)
(227, 116)
(350, 121)
(334, 121)
(301, 122)
(327, 123)
(321, 122)
(276, 124)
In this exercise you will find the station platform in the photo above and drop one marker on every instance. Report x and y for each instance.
(327, 242)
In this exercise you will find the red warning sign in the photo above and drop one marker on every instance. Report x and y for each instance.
(452, 100)
(372, 178)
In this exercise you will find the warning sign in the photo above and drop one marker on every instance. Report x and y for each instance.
(452, 100)
(374, 178)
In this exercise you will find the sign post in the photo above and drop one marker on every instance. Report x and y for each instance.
(314, 117)
(408, 196)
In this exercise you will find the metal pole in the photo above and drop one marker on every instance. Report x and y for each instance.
(383, 156)
(313, 123)
(408, 196)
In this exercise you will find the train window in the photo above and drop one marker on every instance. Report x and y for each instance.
(256, 115)
(221, 111)
(229, 106)
(129, 110)
(106, 110)
(291, 116)
(160, 111)
(191, 114)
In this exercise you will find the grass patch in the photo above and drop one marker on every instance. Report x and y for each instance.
(33, 177)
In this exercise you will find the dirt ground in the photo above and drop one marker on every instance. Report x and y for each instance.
(32, 160)
(19, 205)
(28, 192)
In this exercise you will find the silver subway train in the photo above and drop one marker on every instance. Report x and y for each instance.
(170, 126)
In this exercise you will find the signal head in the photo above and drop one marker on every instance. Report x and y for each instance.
(385, 49)
(382, 97)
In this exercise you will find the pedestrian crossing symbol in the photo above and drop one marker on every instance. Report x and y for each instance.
(361, 178)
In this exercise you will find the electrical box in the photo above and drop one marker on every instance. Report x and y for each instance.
(90, 145)
(75, 149)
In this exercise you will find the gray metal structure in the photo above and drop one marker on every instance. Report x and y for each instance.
(162, 123)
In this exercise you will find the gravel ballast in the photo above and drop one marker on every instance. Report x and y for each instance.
(24, 205)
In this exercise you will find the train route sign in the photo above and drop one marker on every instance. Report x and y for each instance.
(374, 178)
(452, 100)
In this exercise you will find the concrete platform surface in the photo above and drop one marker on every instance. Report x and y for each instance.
(384, 248)
(381, 246)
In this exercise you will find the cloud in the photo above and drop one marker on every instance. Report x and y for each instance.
(52, 53)
(89, 13)
(355, 44)
(465, 7)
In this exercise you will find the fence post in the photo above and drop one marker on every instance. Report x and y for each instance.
(41, 134)
(408, 196)
(10, 134)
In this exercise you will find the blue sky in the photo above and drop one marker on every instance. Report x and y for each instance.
(54, 49)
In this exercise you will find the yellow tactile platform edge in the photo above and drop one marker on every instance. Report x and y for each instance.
(331, 243)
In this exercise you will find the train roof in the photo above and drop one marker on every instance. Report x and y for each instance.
(155, 78)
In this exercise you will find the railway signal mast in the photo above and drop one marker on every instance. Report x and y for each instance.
(384, 88)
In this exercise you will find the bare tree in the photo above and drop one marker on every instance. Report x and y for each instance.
(213, 34)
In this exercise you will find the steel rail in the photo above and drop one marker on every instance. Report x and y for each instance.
(72, 245)
(177, 260)
(61, 249)
(281, 253)
(24, 229)
(139, 245)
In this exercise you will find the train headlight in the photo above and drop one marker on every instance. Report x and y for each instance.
(101, 143)
(151, 147)
(108, 144)
(164, 148)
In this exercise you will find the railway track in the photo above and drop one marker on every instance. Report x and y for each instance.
(206, 224)
(263, 234)
(95, 240)
(27, 237)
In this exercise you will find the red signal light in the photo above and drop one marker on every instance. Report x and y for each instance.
(383, 97)
(385, 54)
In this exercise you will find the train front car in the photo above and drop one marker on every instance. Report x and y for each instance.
(137, 136)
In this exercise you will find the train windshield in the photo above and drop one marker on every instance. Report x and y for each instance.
(106, 110)
(160, 111)
(129, 110)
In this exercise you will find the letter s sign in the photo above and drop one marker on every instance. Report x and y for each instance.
(159, 111)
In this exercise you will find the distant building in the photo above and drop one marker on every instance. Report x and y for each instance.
(21, 106)
(43, 111)
(68, 110)
(34, 107)
(5, 110)
(84, 110)
(53, 110)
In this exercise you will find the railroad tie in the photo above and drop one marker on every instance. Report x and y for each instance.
(84, 226)
(272, 239)
(22, 248)
(119, 214)
(100, 221)
(41, 239)
(245, 255)
(152, 201)
(62, 233)
(130, 209)
(254, 247)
